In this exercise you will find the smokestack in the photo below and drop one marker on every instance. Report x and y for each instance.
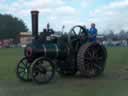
(34, 17)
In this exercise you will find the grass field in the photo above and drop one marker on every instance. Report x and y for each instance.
(114, 81)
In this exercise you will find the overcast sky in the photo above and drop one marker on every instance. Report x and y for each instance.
(107, 14)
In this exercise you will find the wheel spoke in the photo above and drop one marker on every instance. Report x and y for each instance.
(93, 53)
(21, 67)
(87, 66)
(94, 59)
(22, 73)
(98, 66)
(49, 69)
(23, 70)
(74, 31)
(88, 53)
(80, 30)
(27, 75)
(99, 60)
(23, 63)
(42, 70)
(35, 74)
(46, 65)
(92, 72)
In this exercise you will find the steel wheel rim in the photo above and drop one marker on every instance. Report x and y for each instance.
(94, 59)
(40, 71)
(23, 69)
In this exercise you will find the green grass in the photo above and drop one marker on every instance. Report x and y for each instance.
(112, 83)
(117, 56)
(8, 61)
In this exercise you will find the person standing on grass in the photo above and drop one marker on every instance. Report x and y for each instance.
(92, 33)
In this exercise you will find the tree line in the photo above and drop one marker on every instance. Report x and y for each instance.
(11, 26)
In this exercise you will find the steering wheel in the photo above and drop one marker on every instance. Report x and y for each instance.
(78, 32)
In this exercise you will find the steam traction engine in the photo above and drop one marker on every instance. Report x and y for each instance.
(67, 54)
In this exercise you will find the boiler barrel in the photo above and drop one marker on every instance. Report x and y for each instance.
(52, 51)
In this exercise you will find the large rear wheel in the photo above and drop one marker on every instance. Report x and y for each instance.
(91, 59)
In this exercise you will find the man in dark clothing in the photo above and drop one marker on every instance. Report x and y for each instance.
(86, 28)
(49, 30)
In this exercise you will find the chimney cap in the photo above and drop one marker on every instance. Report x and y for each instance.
(34, 11)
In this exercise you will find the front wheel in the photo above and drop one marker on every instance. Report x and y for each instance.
(42, 70)
(22, 69)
